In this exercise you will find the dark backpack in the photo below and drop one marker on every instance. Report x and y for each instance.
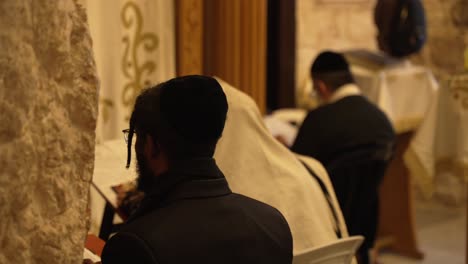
(402, 25)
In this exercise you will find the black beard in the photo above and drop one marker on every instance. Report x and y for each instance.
(146, 178)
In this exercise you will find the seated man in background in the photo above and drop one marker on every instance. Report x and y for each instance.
(189, 214)
(347, 129)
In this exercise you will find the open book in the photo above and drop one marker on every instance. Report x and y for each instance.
(112, 180)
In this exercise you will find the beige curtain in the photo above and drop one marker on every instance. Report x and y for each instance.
(225, 38)
(133, 43)
(235, 47)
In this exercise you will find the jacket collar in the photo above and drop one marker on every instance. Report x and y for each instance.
(186, 179)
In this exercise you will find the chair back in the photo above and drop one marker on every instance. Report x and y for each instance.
(356, 175)
(340, 251)
(355, 155)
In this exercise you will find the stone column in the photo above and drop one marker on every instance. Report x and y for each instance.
(48, 107)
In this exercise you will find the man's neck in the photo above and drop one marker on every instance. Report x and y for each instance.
(349, 89)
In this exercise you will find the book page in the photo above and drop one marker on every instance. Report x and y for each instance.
(109, 168)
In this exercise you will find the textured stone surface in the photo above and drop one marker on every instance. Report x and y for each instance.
(48, 106)
(321, 25)
(447, 36)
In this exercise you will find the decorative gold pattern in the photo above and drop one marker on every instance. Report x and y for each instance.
(135, 70)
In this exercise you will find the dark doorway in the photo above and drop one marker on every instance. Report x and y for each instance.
(281, 54)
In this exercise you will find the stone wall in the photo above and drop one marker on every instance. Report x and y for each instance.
(324, 25)
(48, 106)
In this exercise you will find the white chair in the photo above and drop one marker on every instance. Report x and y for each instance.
(338, 252)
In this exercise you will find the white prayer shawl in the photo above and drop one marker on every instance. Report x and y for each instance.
(346, 90)
(257, 165)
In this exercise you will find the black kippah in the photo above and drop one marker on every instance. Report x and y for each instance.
(328, 62)
(194, 106)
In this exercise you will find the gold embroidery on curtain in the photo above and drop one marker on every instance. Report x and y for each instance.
(134, 67)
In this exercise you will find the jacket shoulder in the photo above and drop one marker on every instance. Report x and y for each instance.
(127, 247)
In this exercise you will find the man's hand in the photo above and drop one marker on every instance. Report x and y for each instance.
(282, 140)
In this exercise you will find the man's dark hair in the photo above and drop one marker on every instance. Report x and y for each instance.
(331, 68)
(401, 26)
(185, 116)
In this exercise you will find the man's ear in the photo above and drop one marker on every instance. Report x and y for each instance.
(322, 88)
(152, 148)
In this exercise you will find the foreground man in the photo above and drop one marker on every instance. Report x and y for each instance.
(189, 214)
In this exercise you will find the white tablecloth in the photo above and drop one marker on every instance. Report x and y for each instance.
(404, 92)
(438, 155)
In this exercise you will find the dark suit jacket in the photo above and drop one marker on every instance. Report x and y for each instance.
(344, 136)
(336, 128)
(193, 217)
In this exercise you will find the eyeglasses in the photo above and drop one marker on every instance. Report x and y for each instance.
(126, 132)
